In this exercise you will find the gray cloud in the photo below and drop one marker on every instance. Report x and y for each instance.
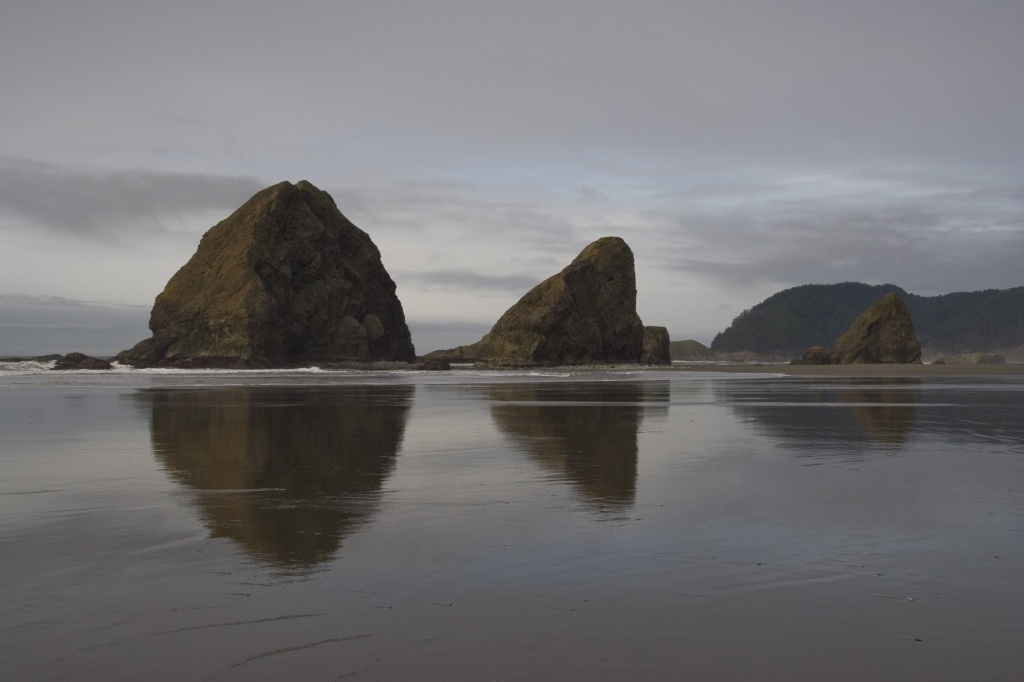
(929, 245)
(436, 334)
(738, 146)
(100, 204)
(575, 83)
(447, 214)
(41, 325)
(462, 280)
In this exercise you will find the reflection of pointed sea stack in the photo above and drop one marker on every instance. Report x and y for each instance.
(884, 333)
(586, 434)
(887, 416)
(286, 473)
(838, 419)
(285, 280)
(584, 314)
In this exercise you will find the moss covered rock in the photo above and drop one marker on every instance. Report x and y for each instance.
(286, 279)
(689, 349)
(884, 333)
(656, 347)
(815, 355)
(586, 314)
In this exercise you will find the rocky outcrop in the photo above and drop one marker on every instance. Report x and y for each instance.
(80, 361)
(285, 280)
(972, 359)
(815, 355)
(586, 314)
(884, 333)
(656, 347)
(434, 365)
(1013, 356)
(52, 357)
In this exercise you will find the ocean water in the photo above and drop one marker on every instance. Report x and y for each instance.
(535, 525)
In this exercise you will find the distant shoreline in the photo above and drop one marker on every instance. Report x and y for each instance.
(859, 370)
(855, 370)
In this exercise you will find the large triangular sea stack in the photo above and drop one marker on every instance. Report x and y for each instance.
(285, 280)
(586, 314)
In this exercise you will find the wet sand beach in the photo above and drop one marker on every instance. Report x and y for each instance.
(718, 523)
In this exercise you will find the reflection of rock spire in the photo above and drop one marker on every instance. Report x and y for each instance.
(287, 473)
(585, 432)
(833, 418)
(883, 414)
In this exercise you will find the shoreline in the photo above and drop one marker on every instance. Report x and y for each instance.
(853, 370)
(859, 370)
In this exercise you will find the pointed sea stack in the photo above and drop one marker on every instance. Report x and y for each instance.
(285, 280)
(883, 334)
(586, 314)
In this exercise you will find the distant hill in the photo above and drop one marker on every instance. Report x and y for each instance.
(791, 321)
(689, 350)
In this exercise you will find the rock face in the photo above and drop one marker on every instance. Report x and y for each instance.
(586, 314)
(80, 361)
(656, 347)
(884, 333)
(284, 280)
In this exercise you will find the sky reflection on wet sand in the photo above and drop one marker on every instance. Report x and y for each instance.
(643, 525)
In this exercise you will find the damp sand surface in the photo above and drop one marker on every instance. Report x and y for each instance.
(602, 525)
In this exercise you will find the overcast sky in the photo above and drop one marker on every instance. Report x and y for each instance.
(739, 146)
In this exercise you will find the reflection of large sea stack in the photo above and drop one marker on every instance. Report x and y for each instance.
(286, 279)
(287, 473)
(586, 433)
(584, 314)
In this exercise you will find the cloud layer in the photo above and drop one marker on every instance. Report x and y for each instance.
(739, 147)
(43, 325)
(106, 204)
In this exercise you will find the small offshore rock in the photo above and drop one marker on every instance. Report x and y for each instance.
(815, 355)
(435, 365)
(80, 361)
(972, 359)
(656, 347)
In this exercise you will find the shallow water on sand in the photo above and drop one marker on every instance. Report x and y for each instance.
(491, 526)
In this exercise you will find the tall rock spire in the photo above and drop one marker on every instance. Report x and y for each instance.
(585, 314)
